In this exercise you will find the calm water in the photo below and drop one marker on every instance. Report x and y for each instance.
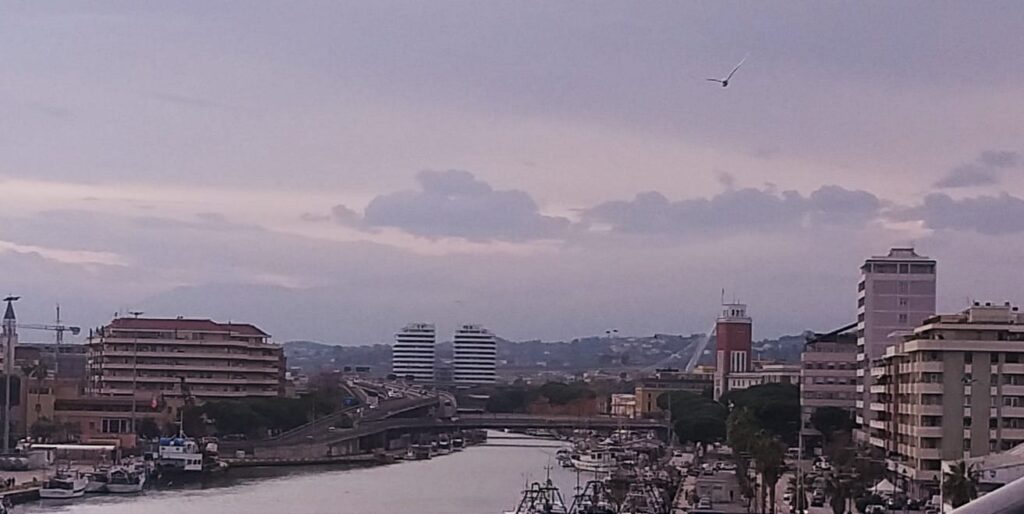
(478, 480)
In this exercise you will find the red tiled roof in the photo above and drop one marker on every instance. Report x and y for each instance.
(184, 324)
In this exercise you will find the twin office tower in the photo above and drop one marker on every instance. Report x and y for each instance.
(413, 356)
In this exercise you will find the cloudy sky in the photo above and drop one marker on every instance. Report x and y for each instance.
(333, 170)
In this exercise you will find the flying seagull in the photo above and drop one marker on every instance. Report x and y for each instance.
(725, 82)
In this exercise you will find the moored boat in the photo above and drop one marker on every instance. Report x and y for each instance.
(126, 479)
(541, 498)
(595, 461)
(66, 483)
(96, 480)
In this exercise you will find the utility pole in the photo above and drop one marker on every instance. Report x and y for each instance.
(135, 372)
(10, 324)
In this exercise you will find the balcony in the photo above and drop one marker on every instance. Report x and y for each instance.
(877, 407)
(877, 442)
(187, 367)
(877, 424)
(191, 355)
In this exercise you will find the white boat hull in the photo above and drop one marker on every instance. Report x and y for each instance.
(125, 488)
(594, 466)
(58, 494)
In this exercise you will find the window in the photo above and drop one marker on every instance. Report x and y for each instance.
(115, 426)
(903, 302)
(904, 268)
(902, 317)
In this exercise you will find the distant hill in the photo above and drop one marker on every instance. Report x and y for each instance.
(578, 354)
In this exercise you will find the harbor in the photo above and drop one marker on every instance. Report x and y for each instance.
(479, 479)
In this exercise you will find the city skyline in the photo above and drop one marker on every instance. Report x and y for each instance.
(545, 172)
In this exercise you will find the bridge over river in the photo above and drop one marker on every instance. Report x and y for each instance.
(395, 423)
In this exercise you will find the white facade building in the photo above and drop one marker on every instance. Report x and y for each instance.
(896, 293)
(475, 355)
(413, 355)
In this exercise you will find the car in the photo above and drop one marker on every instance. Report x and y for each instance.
(874, 509)
(896, 502)
(913, 504)
(728, 466)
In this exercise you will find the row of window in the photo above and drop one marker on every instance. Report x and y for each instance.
(831, 365)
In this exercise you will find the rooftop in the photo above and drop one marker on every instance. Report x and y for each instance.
(185, 325)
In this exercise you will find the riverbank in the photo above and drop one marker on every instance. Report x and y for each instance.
(478, 480)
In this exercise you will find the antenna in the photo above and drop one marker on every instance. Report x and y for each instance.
(135, 314)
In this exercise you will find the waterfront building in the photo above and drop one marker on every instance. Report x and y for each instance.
(475, 352)
(732, 346)
(623, 405)
(648, 390)
(156, 357)
(764, 373)
(952, 389)
(413, 355)
(896, 293)
(828, 377)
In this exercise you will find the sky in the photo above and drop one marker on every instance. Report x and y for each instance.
(334, 170)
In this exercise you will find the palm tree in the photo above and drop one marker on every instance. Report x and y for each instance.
(768, 452)
(960, 484)
(838, 490)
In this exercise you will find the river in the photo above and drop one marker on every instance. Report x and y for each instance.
(485, 479)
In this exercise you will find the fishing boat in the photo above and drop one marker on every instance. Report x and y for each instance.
(126, 479)
(67, 483)
(595, 461)
(179, 454)
(96, 480)
(594, 498)
(541, 498)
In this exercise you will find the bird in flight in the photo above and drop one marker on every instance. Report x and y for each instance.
(725, 82)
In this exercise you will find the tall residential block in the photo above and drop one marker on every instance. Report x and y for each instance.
(413, 355)
(895, 294)
(475, 355)
(733, 339)
(828, 377)
(952, 389)
(151, 357)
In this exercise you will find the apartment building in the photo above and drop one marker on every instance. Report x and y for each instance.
(953, 389)
(155, 357)
(413, 356)
(896, 293)
(828, 377)
(475, 356)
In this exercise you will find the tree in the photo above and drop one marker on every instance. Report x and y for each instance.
(838, 491)
(831, 421)
(776, 407)
(741, 429)
(960, 484)
(43, 429)
(148, 428)
(768, 452)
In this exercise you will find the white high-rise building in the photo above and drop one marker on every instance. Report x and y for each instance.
(896, 293)
(412, 356)
(475, 355)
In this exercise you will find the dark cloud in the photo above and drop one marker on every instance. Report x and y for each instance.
(456, 204)
(999, 159)
(984, 171)
(740, 210)
(993, 215)
(725, 179)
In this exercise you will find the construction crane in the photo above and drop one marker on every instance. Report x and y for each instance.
(59, 328)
